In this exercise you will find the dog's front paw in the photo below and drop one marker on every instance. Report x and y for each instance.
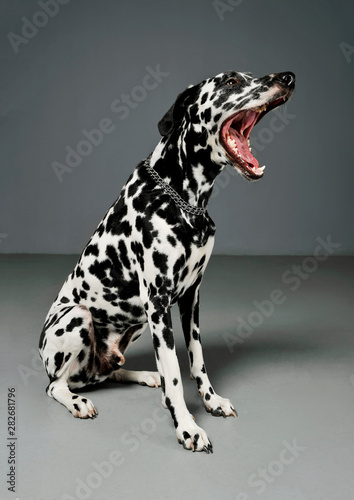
(192, 437)
(218, 406)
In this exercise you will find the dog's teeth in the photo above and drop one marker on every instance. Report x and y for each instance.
(262, 168)
(232, 143)
(259, 109)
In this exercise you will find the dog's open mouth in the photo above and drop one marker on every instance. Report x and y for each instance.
(235, 133)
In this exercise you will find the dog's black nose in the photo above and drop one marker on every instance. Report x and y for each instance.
(287, 79)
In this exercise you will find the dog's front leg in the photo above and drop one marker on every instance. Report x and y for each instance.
(189, 434)
(189, 311)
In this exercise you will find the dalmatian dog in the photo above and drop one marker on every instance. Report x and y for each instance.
(150, 251)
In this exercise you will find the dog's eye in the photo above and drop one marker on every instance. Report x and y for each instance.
(232, 81)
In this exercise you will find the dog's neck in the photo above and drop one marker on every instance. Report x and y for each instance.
(194, 179)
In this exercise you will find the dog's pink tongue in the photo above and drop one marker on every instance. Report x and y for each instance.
(243, 149)
(241, 133)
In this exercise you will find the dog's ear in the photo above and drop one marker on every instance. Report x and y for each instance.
(174, 115)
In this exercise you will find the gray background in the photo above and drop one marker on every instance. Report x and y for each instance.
(292, 378)
(66, 77)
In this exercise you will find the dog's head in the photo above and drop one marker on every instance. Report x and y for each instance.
(218, 114)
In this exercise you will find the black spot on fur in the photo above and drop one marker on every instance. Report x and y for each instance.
(118, 227)
(172, 240)
(172, 411)
(58, 360)
(67, 357)
(206, 115)
(85, 286)
(91, 250)
(84, 334)
(168, 337)
(155, 317)
(184, 273)
(41, 338)
(76, 296)
(81, 356)
(178, 265)
(160, 261)
(123, 254)
(191, 357)
(156, 343)
(204, 97)
(133, 189)
(186, 435)
(163, 386)
(98, 269)
(79, 272)
(75, 322)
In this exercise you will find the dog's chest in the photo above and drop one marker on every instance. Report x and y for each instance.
(194, 266)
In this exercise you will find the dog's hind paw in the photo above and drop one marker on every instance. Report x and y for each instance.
(82, 407)
(151, 379)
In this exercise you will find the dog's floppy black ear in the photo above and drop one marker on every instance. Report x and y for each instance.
(174, 115)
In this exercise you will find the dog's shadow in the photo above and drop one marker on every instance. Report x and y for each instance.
(225, 361)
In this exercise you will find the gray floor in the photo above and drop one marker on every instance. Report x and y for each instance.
(289, 372)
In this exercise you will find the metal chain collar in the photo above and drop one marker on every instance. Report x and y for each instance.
(180, 202)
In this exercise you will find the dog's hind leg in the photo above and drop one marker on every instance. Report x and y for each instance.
(189, 311)
(79, 406)
(152, 379)
(65, 347)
